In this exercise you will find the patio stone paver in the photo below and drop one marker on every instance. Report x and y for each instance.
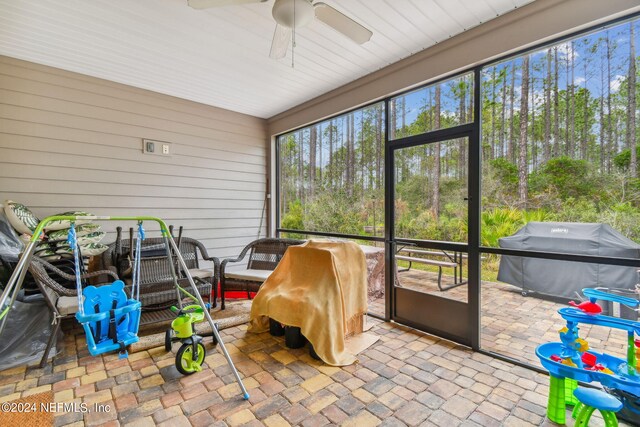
(512, 325)
(406, 379)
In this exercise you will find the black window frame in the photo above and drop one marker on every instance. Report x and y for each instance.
(475, 249)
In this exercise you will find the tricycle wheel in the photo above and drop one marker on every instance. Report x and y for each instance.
(186, 362)
(167, 339)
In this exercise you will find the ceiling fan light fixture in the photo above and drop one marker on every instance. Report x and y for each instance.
(283, 13)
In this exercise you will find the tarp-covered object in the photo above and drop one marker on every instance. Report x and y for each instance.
(25, 335)
(564, 278)
(320, 287)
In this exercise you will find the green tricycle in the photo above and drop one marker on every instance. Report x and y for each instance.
(191, 354)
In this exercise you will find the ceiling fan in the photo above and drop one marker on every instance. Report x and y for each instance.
(292, 14)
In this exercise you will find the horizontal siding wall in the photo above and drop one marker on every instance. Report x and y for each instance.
(69, 141)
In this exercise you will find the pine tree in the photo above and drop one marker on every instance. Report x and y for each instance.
(300, 185)
(392, 118)
(511, 152)
(534, 148)
(609, 111)
(462, 86)
(584, 135)
(313, 138)
(603, 82)
(556, 105)
(379, 148)
(503, 114)
(572, 99)
(522, 146)
(546, 150)
(436, 157)
(631, 106)
(330, 167)
(494, 124)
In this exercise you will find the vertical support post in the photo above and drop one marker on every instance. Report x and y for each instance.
(473, 204)
(276, 203)
(389, 219)
(570, 385)
(556, 406)
(631, 353)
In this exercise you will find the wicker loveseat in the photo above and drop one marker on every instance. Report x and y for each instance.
(61, 299)
(264, 256)
(157, 288)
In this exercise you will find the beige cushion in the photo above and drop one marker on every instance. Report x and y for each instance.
(67, 305)
(20, 217)
(201, 273)
(255, 275)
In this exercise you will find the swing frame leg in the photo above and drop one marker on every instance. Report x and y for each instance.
(52, 338)
(196, 294)
(15, 283)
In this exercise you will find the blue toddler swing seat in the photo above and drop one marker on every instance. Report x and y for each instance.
(109, 317)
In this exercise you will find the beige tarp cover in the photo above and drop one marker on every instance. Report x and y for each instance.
(320, 287)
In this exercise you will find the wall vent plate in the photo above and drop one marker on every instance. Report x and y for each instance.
(160, 148)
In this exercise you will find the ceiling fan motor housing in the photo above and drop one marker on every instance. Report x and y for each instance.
(293, 13)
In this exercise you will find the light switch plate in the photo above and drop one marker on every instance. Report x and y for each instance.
(158, 148)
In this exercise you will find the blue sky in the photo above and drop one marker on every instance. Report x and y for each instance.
(618, 34)
(619, 37)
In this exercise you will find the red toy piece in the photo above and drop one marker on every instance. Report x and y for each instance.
(587, 307)
(589, 359)
(556, 358)
(590, 364)
(638, 343)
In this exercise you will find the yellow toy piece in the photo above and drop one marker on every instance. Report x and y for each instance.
(569, 362)
(607, 371)
(563, 330)
(581, 345)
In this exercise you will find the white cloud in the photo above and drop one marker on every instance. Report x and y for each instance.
(579, 80)
(565, 51)
(616, 82)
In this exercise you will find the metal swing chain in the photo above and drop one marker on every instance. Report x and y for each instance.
(73, 243)
(135, 287)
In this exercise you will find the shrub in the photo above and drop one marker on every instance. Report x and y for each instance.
(293, 218)
(622, 160)
(565, 177)
(503, 222)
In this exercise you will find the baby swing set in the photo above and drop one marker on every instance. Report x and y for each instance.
(110, 318)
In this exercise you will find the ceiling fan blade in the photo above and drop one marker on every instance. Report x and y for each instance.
(280, 42)
(342, 23)
(206, 4)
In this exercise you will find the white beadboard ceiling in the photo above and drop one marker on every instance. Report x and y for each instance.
(220, 56)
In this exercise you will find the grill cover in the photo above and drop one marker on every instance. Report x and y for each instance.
(564, 278)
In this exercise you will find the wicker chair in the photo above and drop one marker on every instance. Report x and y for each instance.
(264, 256)
(62, 301)
(157, 289)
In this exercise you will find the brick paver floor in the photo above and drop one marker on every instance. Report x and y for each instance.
(512, 324)
(406, 378)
